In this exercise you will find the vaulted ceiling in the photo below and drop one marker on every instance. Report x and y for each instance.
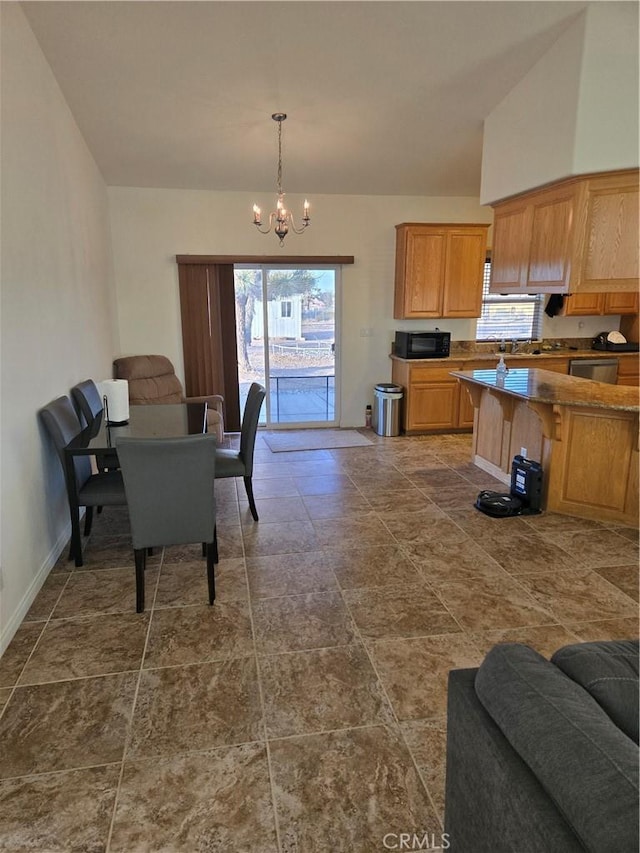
(381, 97)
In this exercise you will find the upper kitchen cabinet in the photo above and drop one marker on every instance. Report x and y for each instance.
(579, 235)
(615, 302)
(439, 270)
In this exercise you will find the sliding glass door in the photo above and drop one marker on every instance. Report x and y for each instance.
(286, 332)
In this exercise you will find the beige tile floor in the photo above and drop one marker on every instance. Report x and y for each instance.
(306, 710)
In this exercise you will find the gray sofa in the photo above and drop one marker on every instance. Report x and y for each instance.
(543, 755)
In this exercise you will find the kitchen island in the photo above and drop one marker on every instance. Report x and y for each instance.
(584, 433)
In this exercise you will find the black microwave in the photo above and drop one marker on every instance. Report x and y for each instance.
(422, 344)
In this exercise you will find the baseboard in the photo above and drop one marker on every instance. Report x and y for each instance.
(492, 469)
(8, 631)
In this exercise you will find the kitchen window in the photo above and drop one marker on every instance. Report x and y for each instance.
(508, 316)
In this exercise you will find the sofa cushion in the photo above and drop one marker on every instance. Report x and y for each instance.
(609, 672)
(494, 803)
(586, 764)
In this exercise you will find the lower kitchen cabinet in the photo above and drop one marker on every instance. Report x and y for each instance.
(431, 396)
(432, 406)
(465, 410)
(436, 402)
(629, 371)
(557, 365)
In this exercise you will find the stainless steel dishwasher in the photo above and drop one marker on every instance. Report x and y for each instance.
(600, 369)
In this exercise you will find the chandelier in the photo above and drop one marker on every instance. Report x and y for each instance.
(281, 219)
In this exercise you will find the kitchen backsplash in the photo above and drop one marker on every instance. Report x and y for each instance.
(546, 345)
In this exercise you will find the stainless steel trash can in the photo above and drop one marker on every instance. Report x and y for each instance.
(386, 408)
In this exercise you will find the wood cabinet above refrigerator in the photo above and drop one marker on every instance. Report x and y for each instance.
(577, 235)
(439, 270)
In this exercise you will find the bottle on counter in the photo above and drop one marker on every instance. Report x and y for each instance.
(501, 370)
(367, 417)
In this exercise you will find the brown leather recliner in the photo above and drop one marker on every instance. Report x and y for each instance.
(152, 380)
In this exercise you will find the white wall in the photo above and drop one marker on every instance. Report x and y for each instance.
(607, 120)
(58, 313)
(576, 111)
(149, 227)
(529, 137)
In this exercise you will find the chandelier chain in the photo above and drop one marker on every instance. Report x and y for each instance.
(279, 179)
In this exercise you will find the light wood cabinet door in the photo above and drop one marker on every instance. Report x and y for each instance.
(425, 264)
(465, 406)
(557, 365)
(578, 236)
(551, 232)
(420, 265)
(629, 371)
(611, 249)
(624, 302)
(464, 273)
(591, 304)
(510, 253)
(439, 270)
(583, 304)
(433, 406)
(465, 409)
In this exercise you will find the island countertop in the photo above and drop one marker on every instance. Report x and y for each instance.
(545, 386)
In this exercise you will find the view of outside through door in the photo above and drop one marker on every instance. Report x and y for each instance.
(286, 341)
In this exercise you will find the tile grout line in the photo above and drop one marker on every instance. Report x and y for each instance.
(398, 724)
(262, 702)
(45, 623)
(129, 731)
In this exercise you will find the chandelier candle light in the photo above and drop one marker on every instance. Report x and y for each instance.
(282, 217)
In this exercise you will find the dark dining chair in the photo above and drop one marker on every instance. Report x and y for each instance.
(169, 483)
(87, 400)
(89, 406)
(231, 463)
(84, 488)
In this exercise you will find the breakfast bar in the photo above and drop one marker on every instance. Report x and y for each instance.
(584, 433)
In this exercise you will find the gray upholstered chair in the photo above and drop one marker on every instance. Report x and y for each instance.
(88, 404)
(152, 379)
(231, 463)
(87, 401)
(83, 488)
(169, 483)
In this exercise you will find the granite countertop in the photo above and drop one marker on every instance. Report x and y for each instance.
(468, 356)
(546, 386)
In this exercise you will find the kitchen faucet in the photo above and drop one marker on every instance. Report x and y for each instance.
(517, 346)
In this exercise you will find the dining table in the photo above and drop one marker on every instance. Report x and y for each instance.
(153, 421)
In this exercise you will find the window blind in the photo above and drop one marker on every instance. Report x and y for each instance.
(509, 316)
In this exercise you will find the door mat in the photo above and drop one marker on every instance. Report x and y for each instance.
(314, 439)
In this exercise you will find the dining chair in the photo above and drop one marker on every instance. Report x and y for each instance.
(84, 488)
(87, 400)
(169, 484)
(231, 463)
(89, 406)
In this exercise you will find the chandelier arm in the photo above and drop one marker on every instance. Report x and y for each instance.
(272, 216)
(293, 225)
